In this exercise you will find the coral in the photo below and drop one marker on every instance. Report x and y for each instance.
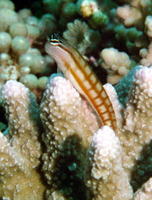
(79, 156)
(123, 87)
(137, 114)
(67, 158)
(148, 24)
(146, 55)
(114, 37)
(87, 7)
(106, 167)
(116, 63)
(19, 56)
(144, 5)
(90, 26)
(98, 19)
(129, 15)
(131, 36)
(66, 141)
(20, 149)
(145, 192)
(80, 36)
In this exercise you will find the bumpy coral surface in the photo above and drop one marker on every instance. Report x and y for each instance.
(20, 149)
(78, 156)
(20, 58)
(112, 160)
(116, 63)
(70, 118)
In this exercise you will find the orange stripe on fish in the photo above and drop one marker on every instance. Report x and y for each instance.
(76, 69)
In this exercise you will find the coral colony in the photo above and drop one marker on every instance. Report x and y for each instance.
(76, 112)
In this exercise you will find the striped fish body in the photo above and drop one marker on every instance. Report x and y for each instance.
(77, 70)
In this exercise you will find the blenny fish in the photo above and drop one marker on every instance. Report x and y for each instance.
(82, 77)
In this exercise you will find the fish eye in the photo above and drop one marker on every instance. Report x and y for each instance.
(54, 41)
(55, 38)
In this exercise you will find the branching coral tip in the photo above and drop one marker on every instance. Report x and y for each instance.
(83, 79)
